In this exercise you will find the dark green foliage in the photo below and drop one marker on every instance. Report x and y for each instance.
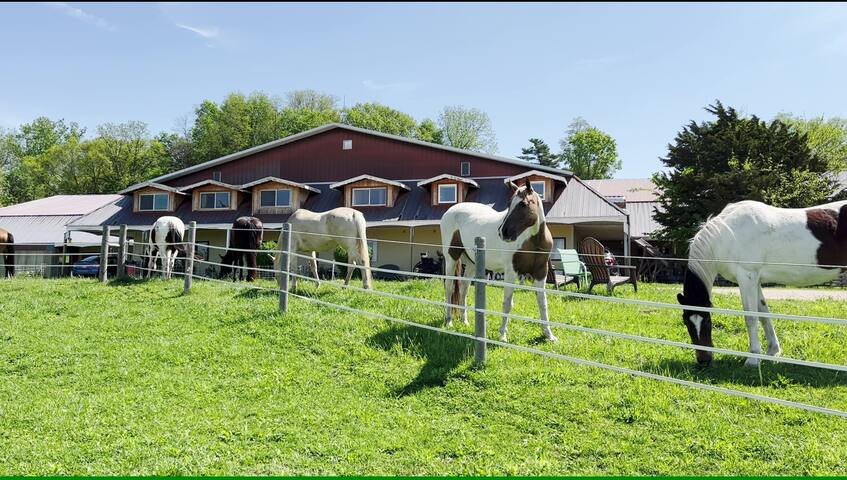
(539, 152)
(734, 158)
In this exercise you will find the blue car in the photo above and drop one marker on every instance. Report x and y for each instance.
(90, 267)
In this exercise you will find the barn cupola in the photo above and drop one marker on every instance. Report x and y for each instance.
(447, 189)
(369, 191)
(547, 185)
(154, 197)
(214, 195)
(272, 195)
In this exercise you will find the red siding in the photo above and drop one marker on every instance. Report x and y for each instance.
(319, 158)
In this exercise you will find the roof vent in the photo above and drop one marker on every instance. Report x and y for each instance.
(618, 200)
(347, 144)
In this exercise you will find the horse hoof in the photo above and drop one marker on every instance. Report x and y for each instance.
(552, 338)
(503, 338)
(449, 324)
(465, 321)
(775, 353)
(752, 362)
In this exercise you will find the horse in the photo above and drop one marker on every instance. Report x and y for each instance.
(750, 243)
(7, 248)
(322, 232)
(518, 242)
(166, 235)
(246, 235)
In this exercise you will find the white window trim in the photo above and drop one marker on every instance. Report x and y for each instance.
(154, 209)
(535, 182)
(353, 197)
(201, 207)
(290, 197)
(455, 193)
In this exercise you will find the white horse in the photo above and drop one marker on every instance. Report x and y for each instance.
(166, 236)
(322, 232)
(743, 244)
(520, 227)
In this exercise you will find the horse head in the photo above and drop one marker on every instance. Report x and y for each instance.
(699, 324)
(525, 212)
(227, 260)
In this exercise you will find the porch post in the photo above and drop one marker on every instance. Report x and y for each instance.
(626, 240)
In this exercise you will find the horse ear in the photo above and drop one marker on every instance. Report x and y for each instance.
(513, 187)
(528, 187)
(680, 298)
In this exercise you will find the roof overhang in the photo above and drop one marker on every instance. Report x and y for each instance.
(386, 181)
(555, 178)
(216, 183)
(447, 176)
(282, 181)
(151, 184)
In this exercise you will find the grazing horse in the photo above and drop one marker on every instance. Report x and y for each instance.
(166, 236)
(341, 226)
(520, 227)
(246, 235)
(751, 243)
(7, 248)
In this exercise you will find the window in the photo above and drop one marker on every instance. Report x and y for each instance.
(539, 189)
(275, 198)
(347, 144)
(214, 200)
(466, 169)
(447, 193)
(558, 243)
(216, 176)
(369, 197)
(153, 201)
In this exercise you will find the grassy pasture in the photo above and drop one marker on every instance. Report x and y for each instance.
(134, 378)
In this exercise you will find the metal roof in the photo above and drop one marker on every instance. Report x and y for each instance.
(59, 205)
(447, 176)
(557, 178)
(46, 230)
(368, 177)
(330, 126)
(632, 189)
(641, 222)
(282, 181)
(210, 182)
(151, 184)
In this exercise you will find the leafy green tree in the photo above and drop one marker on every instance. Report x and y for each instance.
(733, 158)
(428, 131)
(311, 100)
(293, 121)
(380, 118)
(467, 128)
(539, 152)
(827, 137)
(589, 152)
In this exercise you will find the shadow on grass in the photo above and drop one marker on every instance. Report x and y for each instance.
(442, 354)
(732, 370)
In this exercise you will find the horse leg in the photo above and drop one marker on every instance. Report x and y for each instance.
(464, 286)
(509, 277)
(313, 264)
(773, 342)
(749, 286)
(449, 284)
(541, 296)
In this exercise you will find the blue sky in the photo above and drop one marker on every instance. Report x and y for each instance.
(638, 72)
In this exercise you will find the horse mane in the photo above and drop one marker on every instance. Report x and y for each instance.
(700, 250)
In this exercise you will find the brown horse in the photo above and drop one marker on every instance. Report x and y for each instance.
(246, 235)
(7, 248)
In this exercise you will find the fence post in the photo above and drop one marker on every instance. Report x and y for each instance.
(189, 257)
(479, 302)
(284, 265)
(122, 248)
(104, 253)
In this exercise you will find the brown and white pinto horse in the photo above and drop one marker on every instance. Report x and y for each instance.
(7, 248)
(246, 235)
(520, 227)
(751, 243)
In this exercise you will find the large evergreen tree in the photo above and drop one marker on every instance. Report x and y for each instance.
(734, 158)
(539, 152)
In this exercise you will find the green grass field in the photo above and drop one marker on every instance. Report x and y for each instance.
(134, 378)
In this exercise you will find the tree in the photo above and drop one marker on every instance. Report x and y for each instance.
(125, 154)
(428, 131)
(293, 121)
(467, 128)
(311, 100)
(734, 158)
(377, 117)
(826, 137)
(539, 152)
(589, 152)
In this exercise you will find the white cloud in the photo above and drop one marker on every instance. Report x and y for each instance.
(205, 32)
(396, 86)
(82, 15)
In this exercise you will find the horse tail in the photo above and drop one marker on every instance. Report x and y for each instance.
(455, 298)
(841, 228)
(9, 260)
(362, 247)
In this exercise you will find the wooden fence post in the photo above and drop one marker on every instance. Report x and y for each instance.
(122, 248)
(479, 302)
(104, 253)
(284, 265)
(189, 257)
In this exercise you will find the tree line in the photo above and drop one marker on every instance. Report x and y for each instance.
(49, 157)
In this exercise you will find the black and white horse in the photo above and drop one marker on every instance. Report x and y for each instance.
(166, 238)
(751, 243)
(518, 243)
(7, 248)
(246, 235)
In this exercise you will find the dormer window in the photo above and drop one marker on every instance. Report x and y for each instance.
(153, 202)
(370, 197)
(215, 200)
(275, 198)
(540, 188)
(448, 193)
